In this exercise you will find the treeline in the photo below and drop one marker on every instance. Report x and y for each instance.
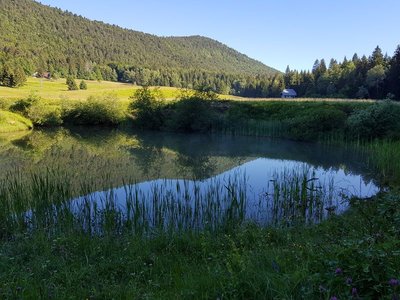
(374, 77)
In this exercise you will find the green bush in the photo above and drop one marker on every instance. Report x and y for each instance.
(72, 86)
(97, 110)
(22, 106)
(316, 123)
(83, 85)
(45, 115)
(193, 114)
(39, 113)
(147, 108)
(380, 120)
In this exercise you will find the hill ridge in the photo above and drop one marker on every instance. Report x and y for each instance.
(51, 37)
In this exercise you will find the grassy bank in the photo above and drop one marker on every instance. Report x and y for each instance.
(10, 122)
(115, 104)
(352, 255)
(47, 250)
(50, 252)
(304, 121)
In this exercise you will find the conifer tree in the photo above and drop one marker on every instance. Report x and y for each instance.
(72, 86)
(393, 77)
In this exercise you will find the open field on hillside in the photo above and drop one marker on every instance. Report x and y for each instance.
(56, 90)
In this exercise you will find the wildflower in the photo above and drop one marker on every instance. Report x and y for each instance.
(334, 298)
(354, 292)
(349, 280)
(394, 282)
(338, 271)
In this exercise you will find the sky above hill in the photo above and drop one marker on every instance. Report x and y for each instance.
(277, 33)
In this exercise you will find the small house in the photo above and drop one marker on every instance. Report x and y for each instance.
(46, 75)
(288, 93)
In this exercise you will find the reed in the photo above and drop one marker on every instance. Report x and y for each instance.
(47, 202)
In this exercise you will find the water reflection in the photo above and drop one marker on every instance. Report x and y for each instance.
(103, 159)
(265, 191)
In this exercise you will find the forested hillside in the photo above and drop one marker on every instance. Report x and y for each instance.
(42, 38)
(39, 38)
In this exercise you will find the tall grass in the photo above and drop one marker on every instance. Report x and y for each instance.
(252, 127)
(384, 159)
(298, 196)
(10, 122)
(46, 203)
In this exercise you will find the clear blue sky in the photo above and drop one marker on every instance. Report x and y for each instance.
(276, 32)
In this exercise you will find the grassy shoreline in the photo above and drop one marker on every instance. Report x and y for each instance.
(348, 256)
(330, 259)
(357, 250)
(10, 122)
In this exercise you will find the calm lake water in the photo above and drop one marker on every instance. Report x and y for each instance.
(193, 175)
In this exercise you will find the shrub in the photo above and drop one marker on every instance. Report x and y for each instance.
(380, 120)
(71, 84)
(147, 108)
(97, 110)
(205, 92)
(45, 115)
(22, 106)
(193, 114)
(83, 85)
(316, 123)
(39, 113)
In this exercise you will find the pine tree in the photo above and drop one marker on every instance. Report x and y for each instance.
(12, 76)
(393, 78)
(376, 58)
(83, 85)
(72, 86)
(315, 66)
(355, 58)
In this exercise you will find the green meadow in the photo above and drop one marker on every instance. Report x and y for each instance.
(10, 122)
(56, 90)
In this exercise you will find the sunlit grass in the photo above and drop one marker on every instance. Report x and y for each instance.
(56, 90)
(10, 122)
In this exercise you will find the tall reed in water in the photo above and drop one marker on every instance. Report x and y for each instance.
(47, 203)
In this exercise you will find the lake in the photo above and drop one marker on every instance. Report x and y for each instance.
(178, 180)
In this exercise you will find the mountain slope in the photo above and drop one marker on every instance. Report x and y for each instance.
(49, 37)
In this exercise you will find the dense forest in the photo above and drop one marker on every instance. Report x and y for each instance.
(376, 77)
(39, 38)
